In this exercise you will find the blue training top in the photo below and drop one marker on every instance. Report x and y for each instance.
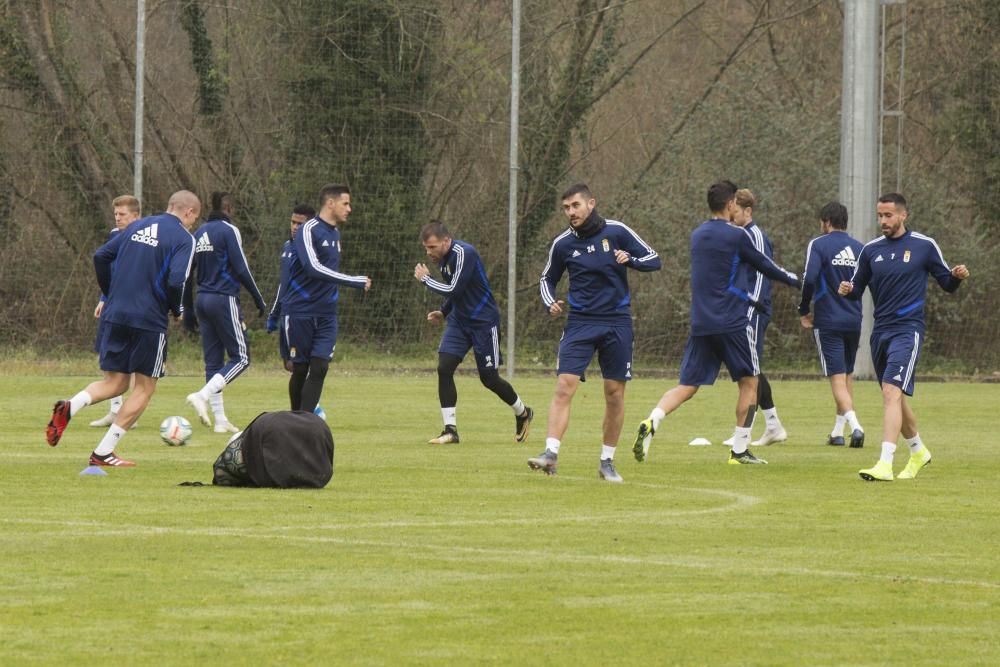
(598, 284)
(287, 254)
(220, 263)
(111, 234)
(152, 258)
(896, 271)
(831, 259)
(719, 304)
(469, 299)
(757, 287)
(314, 275)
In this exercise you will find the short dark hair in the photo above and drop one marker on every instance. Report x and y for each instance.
(578, 189)
(434, 228)
(720, 194)
(893, 198)
(835, 213)
(222, 201)
(332, 191)
(306, 210)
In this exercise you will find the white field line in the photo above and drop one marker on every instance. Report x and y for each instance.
(737, 501)
(459, 553)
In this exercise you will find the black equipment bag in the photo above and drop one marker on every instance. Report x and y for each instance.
(278, 450)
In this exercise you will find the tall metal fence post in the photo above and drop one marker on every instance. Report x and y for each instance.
(140, 67)
(515, 98)
(859, 125)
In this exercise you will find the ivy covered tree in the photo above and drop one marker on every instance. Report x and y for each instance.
(358, 75)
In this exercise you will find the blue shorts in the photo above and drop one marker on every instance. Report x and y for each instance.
(283, 341)
(101, 326)
(895, 354)
(310, 337)
(128, 350)
(703, 356)
(484, 341)
(837, 350)
(758, 323)
(612, 342)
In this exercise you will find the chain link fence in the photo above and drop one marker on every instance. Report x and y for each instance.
(406, 101)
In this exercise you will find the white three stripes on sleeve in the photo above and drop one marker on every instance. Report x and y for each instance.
(448, 288)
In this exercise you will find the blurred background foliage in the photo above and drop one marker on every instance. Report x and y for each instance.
(407, 101)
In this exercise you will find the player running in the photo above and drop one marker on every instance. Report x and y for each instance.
(126, 211)
(835, 323)
(472, 320)
(221, 268)
(152, 258)
(720, 329)
(758, 290)
(596, 253)
(895, 269)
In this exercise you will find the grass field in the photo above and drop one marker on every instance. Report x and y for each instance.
(417, 554)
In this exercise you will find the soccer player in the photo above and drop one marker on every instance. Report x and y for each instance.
(895, 269)
(309, 306)
(300, 214)
(758, 290)
(596, 253)
(835, 323)
(720, 329)
(472, 320)
(221, 268)
(152, 258)
(126, 211)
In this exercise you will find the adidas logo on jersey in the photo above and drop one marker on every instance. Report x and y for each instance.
(147, 235)
(576, 253)
(204, 245)
(845, 258)
(879, 258)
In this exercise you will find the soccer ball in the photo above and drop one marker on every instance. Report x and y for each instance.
(175, 431)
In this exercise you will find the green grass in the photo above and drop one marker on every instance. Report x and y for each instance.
(417, 554)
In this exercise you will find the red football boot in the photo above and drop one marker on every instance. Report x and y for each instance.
(60, 419)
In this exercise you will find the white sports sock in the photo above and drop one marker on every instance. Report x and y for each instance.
(915, 443)
(888, 449)
(518, 407)
(116, 404)
(552, 444)
(79, 402)
(838, 426)
(449, 417)
(771, 418)
(608, 452)
(852, 419)
(657, 415)
(213, 386)
(218, 407)
(741, 438)
(110, 440)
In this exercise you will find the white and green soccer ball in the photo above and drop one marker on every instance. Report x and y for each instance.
(175, 431)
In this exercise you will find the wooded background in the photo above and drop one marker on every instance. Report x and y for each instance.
(407, 101)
